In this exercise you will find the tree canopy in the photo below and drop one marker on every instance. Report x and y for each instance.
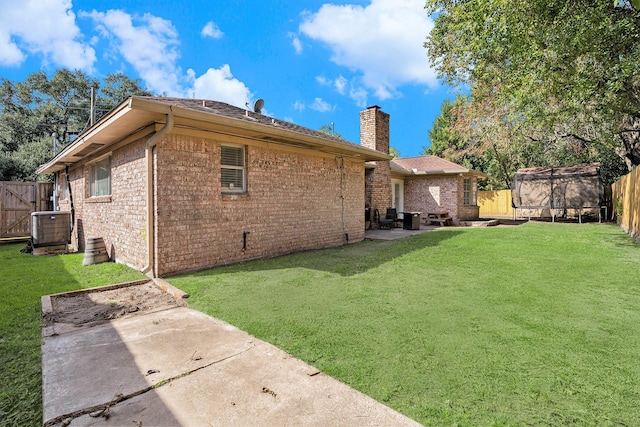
(557, 79)
(35, 111)
(329, 129)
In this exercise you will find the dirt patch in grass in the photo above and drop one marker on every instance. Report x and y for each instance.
(98, 306)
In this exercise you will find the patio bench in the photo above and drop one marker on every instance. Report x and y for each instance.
(441, 218)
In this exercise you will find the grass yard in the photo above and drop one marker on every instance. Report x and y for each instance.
(23, 280)
(531, 325)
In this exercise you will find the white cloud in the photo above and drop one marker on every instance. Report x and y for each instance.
(146, 42)
(295, 42)
(45, 27)
(340, 84)
(356, 89)
(383, 41)
(298, 105)
(150, 44)
(320, 105)
(211, 30)
(10, 53)
(220, 85)
(323, 80)
(359, 95)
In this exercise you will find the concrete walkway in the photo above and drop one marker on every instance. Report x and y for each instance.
(396, 233)
(179, 367)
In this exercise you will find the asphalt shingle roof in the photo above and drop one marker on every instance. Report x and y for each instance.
(427, 164)
(228, 110)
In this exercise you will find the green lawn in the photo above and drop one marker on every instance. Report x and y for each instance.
(531, 325)
(23, 280)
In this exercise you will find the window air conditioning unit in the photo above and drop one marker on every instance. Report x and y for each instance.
(50, 228)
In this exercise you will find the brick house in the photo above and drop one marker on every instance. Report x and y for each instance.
(418, 184)
(432, 184)
(176, 185)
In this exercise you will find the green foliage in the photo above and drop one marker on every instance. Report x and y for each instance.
(24, 279)
(10, 169)
(32, 154)
(500, 150)
(394, 152)
(442, 135)
(471, 327)
(561, 74)
(329, 130)
(117, 87)
(33, 110)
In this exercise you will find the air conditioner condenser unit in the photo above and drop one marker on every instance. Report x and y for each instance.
(50, 228)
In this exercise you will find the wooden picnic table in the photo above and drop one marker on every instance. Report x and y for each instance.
(441, 218)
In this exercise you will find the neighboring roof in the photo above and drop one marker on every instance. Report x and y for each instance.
(431, 165)
(139, 112)
(584, 169)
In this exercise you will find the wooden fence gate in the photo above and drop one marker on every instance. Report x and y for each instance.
(17, 201)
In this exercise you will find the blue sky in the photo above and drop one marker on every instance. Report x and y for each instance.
(313, 62)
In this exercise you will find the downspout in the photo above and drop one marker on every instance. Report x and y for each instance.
(54, 137)
(73, 210)
(149, 269)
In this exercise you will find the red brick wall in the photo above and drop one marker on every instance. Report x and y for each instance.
(433, 194)
(120, 218)
(374, 134)
(294, 202)
(469, 212)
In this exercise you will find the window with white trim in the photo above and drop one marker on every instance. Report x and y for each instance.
(100, 178)
(233, 169)
(469, 192)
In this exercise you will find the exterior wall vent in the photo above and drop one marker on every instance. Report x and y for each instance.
(50, 228)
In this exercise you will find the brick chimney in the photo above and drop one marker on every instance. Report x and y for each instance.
(374, 134)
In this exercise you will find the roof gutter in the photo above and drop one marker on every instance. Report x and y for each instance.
(58, 162)
(150, 269)
(452, 172)
(449, 172)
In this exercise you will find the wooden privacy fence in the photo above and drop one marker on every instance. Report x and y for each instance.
(495, 204)
(17, 201)
(626, 202)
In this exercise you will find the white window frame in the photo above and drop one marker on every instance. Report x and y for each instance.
(96, 190)
(397, 195)
(231, 187)
(469, 197)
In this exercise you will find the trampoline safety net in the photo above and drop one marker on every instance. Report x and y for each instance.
(568, 187)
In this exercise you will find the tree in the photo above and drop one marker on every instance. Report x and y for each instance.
(118, 87)
(449, 141)
(329, 130)
(476, 136)
(33, 111)
(544, 74)
(394, 152)
(443, 135)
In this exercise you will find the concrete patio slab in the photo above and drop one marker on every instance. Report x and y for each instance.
(397, 233)
(179, 367)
